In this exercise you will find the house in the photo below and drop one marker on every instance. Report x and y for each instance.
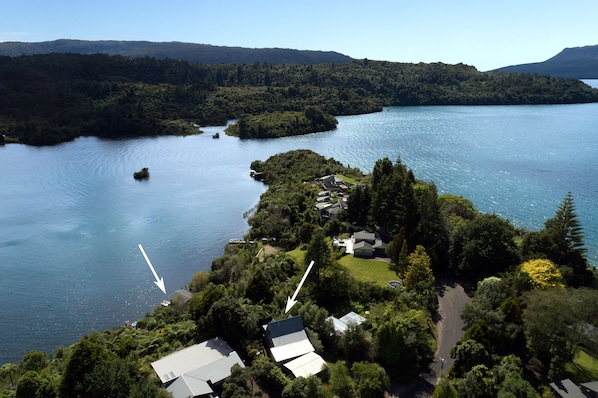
(290, 347)
(181, 295)
(567, 389)
(340, 325)
(197, 370)
(331, 183)
(367, 245)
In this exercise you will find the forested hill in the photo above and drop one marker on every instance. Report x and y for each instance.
(577, 63)
(192, 52)
(47, 99)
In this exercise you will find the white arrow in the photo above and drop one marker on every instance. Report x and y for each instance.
(291, 301)
(159, 281)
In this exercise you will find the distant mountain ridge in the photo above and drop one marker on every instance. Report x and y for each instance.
(198, 53)
(576, 62)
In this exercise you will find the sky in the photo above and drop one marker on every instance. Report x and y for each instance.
(485, 34)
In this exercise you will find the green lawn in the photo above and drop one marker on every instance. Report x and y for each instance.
(584, 367)
(368, 270)
(362, 269)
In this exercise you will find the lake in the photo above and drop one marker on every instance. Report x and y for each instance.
(71, 215)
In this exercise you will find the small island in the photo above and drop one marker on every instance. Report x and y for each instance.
(283, 124)
(141, 175)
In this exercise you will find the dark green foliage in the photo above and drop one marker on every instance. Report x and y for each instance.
(282, 124)
(483, 246)
(86, 355)
(393, 203)
(236, 386)
(301, 387)
(562, 242)
(355, 345)
(34, 360)
(404, 342)
(371, 380)
(359, 202)
(47, 99)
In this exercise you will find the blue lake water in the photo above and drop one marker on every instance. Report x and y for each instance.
(71, 216)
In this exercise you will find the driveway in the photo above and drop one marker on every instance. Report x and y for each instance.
(449, 329)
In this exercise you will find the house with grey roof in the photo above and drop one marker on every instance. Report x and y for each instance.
(181, 295)
(590, 389)
(198, 370)
(367, 245)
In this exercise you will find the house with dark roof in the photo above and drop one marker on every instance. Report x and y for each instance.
(198, 370)
(290, 347)
(367, 245)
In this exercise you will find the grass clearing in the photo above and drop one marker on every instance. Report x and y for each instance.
(368, 270)
(584, 367)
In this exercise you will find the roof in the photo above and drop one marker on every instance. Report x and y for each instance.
(293, 350)
(200, 381)
(591, 386)
(285, 326)
(364, 235)
(181, 294)
(340, 325)
(352, 317)
(191, 358)
(567, 389)
(289, 338)
(306, 365)
(363, 245)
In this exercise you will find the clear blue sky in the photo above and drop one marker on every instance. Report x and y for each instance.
(485, 34)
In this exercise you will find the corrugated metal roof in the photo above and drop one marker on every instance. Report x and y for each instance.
(289, 338)
(306, 365)
(352, 317)
(174, 365)
(290, 351)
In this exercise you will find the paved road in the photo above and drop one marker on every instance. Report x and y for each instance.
(450, 329)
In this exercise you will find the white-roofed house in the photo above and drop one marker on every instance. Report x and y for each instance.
(341, 324)
(195, 371)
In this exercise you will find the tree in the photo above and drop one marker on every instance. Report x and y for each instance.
(355, 344)
(236, 386)
(555, 332)
(301, 387)
(403, 339)
(562, 240)
(371, 380)
(418, 275)
(341, 383)
(85, 356)
(484, 246)
(320, 252)
(543, 273)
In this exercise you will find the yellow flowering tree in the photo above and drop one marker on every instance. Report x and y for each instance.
(543, 273)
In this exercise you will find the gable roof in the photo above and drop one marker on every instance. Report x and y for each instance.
(364, 235)
(306, 365)
(181, 294)
(590, 386)
(352, 317)
(191, 358)
(285, 326)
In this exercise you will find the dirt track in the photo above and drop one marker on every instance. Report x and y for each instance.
(450, 329)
